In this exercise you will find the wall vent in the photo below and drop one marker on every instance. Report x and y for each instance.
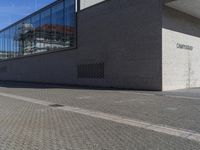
(92, 71)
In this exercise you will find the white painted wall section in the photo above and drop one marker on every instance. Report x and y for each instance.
(87, 3)
(180, 66)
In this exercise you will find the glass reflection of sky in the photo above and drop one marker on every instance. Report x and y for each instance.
(13, 10)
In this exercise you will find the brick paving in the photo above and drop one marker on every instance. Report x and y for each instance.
(28, 126)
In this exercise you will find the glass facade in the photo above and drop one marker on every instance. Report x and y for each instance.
(49, 29)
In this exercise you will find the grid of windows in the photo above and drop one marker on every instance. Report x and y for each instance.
(49, 29)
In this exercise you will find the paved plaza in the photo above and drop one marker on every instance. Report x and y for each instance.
(39, 117)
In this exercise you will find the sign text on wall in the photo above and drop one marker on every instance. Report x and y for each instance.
(183, 46)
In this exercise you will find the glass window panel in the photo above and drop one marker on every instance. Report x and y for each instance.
(26, 35)
(21, 38)
(17, 39)
(14, 40)
(1, 45)
(11, 43)
(70, 23)
(4, 41)
(46, 30)
(6, 36)
(36, 34)
(58, 26)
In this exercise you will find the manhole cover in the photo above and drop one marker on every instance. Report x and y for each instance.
(56, 105)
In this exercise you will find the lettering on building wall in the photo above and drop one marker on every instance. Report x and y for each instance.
(183, 46)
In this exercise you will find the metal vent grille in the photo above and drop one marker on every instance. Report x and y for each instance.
(93, 71)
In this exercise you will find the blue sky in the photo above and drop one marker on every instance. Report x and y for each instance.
(13, 10)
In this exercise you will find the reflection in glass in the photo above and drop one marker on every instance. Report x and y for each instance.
(45, 30)
(57, 36)
(49, 29)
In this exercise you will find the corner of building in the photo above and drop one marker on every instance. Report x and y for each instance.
(180, 46)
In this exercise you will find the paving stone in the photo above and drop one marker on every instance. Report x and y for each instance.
(28, 126)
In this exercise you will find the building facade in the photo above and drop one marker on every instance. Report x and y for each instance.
(134, 44)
